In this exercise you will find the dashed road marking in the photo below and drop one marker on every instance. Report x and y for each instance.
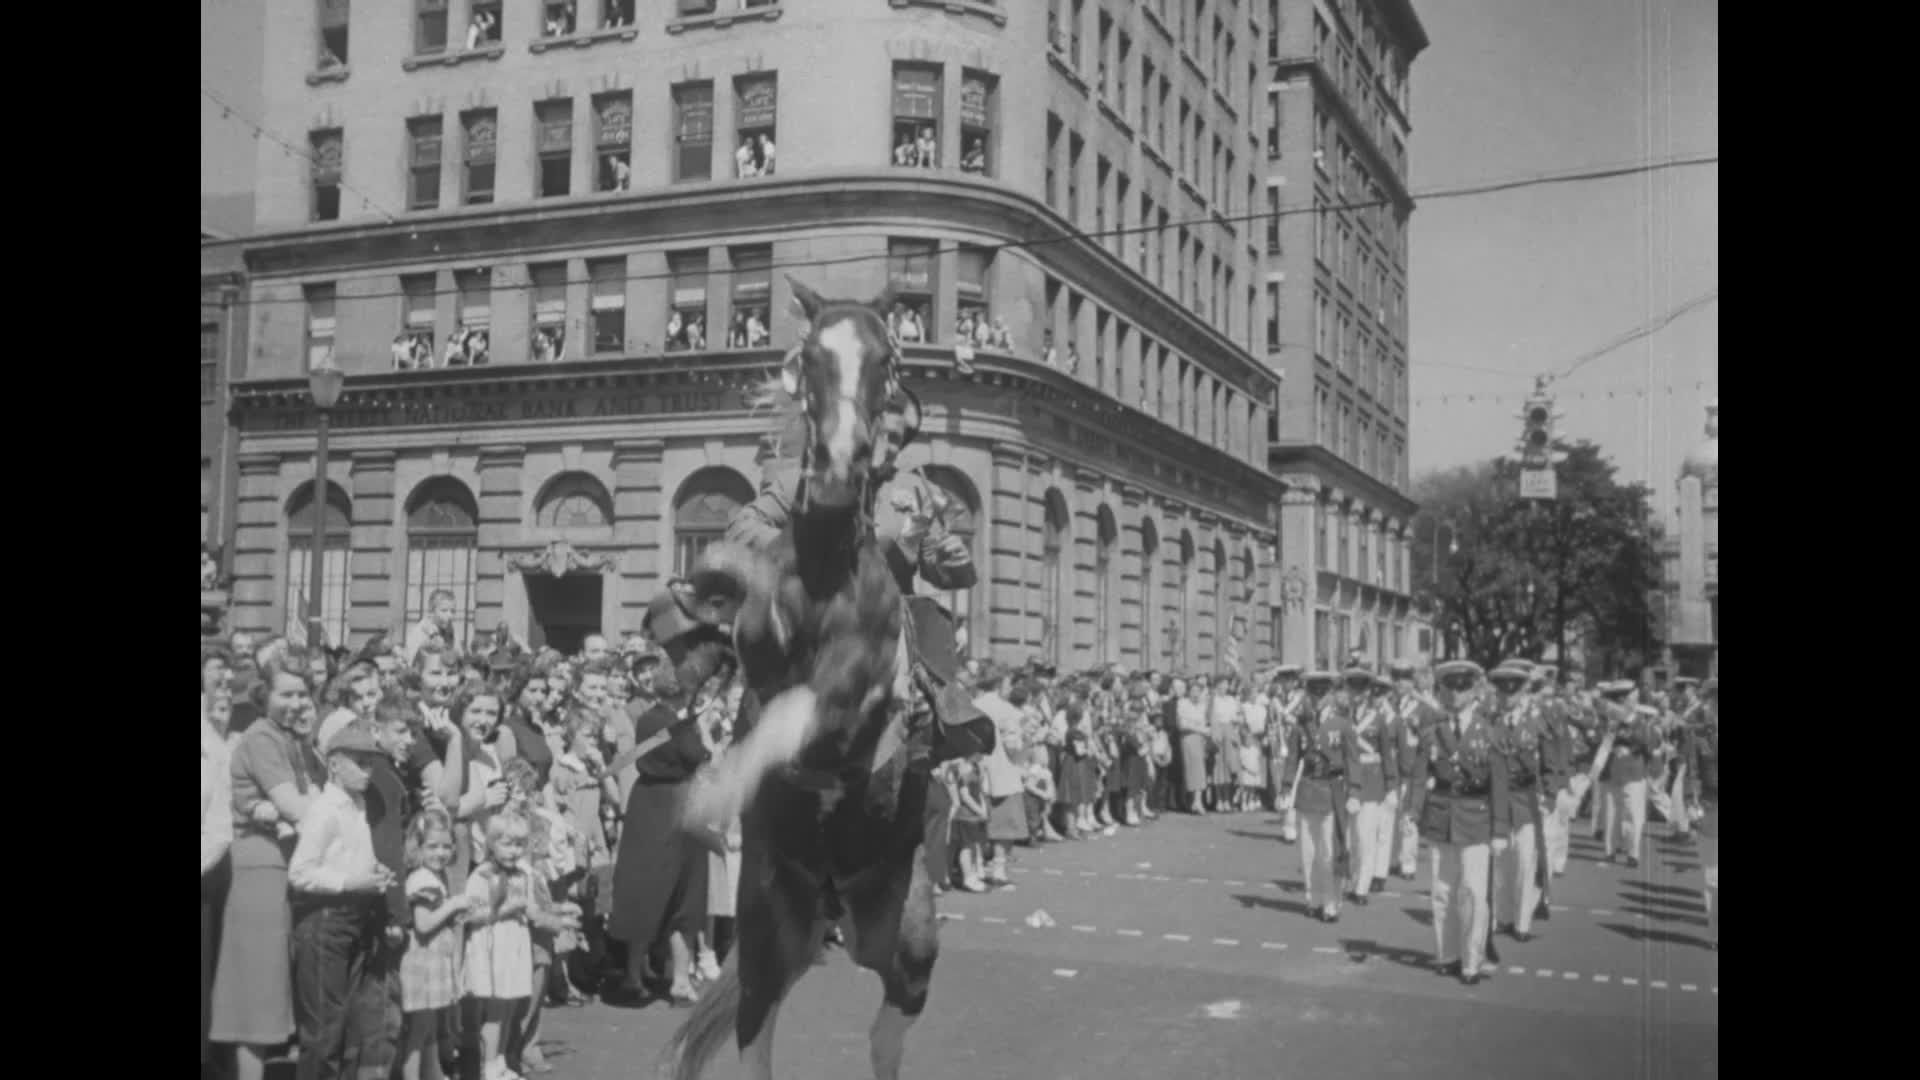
(1199, 881)
(1690, 988)
(1128, 933)
(1326, 949)
(1083, 928)
(1236, 884)
(1544, 973)
(1225, 941)
(1571, 976)
(1054, 870)
(1602, 978)
(1658, 984)
(1515, 969)
(1628, 980)
(1176, 937)
(956, 916)
(1087, 873)
(1065, 973)
(992, 919)
(1273, 944)
(1599, 911)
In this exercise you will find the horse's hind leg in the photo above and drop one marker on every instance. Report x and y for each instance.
(778, 933)
(895, 935)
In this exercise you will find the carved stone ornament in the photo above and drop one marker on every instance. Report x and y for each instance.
(559, 558)
(1293, 588)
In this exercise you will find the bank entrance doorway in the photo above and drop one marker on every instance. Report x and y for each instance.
(563, 610)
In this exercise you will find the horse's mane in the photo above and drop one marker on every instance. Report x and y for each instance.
(785, 420)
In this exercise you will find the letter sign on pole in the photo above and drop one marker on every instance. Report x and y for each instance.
(1539, 484)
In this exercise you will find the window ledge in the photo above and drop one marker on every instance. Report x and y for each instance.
(454, 58)
(1114, 114)
(720, 20)
(336, 73)
(583, 39)
(1159, 159)
(1186, 185)
(1158, 23)
(1061, 65)
(1193, 65)
(990, 12)
(1221, 99)
(1221, 219)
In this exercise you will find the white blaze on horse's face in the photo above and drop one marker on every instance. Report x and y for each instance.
(842, 344)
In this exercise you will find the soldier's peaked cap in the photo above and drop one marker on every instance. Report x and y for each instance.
(1356, 673)
(1322, 677)
(1287, 671)
(1450, 668)
(1381, 682)
(1520, 664)
(1616, 686)
(1401, 669)
(1508, 672)
(1685, 681)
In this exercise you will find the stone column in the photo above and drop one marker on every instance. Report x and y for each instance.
(1296, 569)
(1134, 603)
(502, 524)
(259, 544)
(640, 526)
(371, 564)
(1009, 633)
(1081, 619)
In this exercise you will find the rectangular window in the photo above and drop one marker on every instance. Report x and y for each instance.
(1122, 199)
(687, 302)
(554, 121)
(1073, 34)
(1344, 547)
(1102, 378)
(209, 361)
(1147, 82)
(1075, 304)
(419, 314)
(1144, 240)
(329, 148)
(613, 140)
(483, 28)
(608, 298)
(911, 271)
(319, 323)
(693, 132)
(748, 326)
(475, 290)
(1052, 180)
(1075, 148)
(1273, 316)
(1322, 400)
(1102, 177)
(333, 33)
(1160, 249)
(1124, 75)
(549, 345)
(1102, 87)
(333, 576)
(1160, 115)
(423, 163)
(756, 108)
(1180, 148)
(1273, 221)
(429, 27)
(1180, 265)
(974, 291)
(558, 18)
(1323, 551)
(479, 127)
(916, 116)
(979, 106)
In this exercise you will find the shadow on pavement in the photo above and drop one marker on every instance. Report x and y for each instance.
(1421, 915)
(1285, 907)
(1639, 933)
(1245, 835)
(1662, 892)
(1360, 950)
(1665, 916)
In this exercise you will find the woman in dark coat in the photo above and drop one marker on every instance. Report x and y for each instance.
(659, 870)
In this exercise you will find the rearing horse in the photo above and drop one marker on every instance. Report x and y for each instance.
(832, 810)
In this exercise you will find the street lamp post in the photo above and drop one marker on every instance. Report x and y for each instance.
(325, 381)
(1453, 546)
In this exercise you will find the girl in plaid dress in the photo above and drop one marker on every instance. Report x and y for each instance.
(430, 968)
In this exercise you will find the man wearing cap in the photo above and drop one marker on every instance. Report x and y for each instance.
(1520, 768)
(1669, 795)
(1321, 744)
(1558, 799)
(1372, 771)
(1411, 714)
(1623, 776)
(1456, 818)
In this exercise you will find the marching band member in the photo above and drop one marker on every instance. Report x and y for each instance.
(1559, 801)
(1412, 713)
(1320, 745)
(1623, 777)
(1520, 766)
(1455, 766)
(1288, 701)
(1372, 771)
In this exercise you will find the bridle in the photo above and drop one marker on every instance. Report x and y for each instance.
(869, 487)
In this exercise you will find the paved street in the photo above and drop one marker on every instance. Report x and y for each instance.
(1181, 949)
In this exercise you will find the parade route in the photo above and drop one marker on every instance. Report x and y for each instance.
(1170, 953)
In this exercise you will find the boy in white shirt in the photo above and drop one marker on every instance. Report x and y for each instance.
(337, 884)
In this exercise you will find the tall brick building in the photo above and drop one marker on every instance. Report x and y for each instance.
(602, 202)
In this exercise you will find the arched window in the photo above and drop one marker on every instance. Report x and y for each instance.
(442, 548)
(1053, 541)
(963, 517)
(574, 500)
(1107, 531)
(1243, 606)
(707, 501)
(334, 586)
(1222, 600)
(1183, 586)
(1152, 648)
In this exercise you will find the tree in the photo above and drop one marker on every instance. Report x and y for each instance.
(1514, 576)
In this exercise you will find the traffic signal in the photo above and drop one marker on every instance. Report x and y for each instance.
(1536, 434)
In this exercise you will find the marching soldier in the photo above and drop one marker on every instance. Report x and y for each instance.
(1562, 739)
(1623, 776)
(1520, 768)
(1320, 746)
(1289, 701)
(1455, 767)
(1412, 713)
(1372, 772)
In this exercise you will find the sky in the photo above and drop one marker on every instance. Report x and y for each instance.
(1524, 282)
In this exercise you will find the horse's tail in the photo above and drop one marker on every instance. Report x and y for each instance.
(707, 1028)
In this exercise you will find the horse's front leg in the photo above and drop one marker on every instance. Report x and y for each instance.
(782, 730)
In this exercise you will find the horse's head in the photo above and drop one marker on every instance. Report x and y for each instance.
(846, 377)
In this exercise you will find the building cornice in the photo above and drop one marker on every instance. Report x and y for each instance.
(1334, 472)
(714, 212)
(1379, 166)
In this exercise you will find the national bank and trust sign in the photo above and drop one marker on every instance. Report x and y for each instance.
(500, 408)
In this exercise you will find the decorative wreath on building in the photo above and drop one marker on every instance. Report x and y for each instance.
(1293, 588)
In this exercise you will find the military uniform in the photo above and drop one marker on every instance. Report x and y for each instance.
(1321, 743)
(1520, 772)
(1372, 773)
(1456, 818)
(1411, 714)
(1288, 703)
(1623, 776)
